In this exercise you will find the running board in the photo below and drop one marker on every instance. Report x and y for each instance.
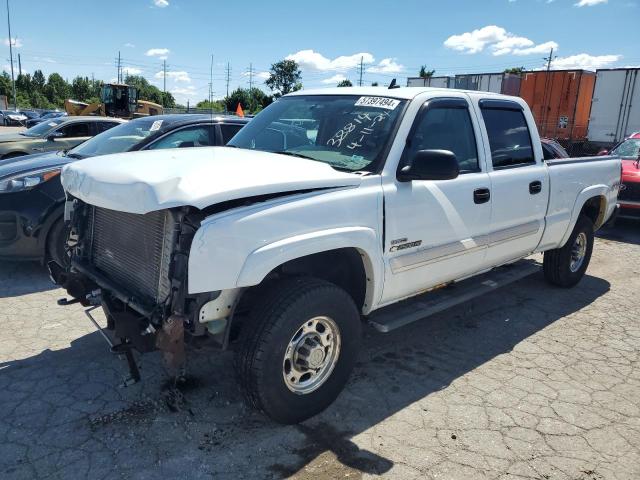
(422, 306)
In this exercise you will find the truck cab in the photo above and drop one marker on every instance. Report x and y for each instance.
(328, 208)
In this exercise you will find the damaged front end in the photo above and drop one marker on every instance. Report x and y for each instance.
(134, 266)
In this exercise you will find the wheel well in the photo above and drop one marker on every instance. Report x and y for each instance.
(595, 209)
(13, 154)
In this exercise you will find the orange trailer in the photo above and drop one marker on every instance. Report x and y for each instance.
(560, 101)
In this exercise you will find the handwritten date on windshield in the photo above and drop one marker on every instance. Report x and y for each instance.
(365, 123)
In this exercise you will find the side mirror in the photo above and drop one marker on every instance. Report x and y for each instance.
(53, 135)
(430, 165)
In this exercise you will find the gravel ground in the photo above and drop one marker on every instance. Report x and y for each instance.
(528, 382)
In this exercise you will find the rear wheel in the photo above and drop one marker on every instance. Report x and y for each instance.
(298, 349)
(566, 266)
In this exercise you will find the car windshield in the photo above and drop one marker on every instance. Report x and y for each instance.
(629, 149)
(41, 129)
(117, 139)
(348, 132)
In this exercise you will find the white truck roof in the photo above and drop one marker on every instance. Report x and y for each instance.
(406, 93)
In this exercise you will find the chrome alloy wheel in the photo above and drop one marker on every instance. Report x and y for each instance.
(311, 355)
(578, 252)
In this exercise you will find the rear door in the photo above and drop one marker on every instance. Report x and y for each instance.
(519, 181)
(435, 230)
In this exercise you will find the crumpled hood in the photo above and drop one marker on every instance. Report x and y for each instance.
(141, 182)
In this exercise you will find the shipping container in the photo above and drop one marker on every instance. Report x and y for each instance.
(511, 84)
(437, 82)
(615, 108)
(483, 82)
(560, 101)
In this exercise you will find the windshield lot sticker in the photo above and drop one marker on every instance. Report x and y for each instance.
(155, 126)
(378, 102)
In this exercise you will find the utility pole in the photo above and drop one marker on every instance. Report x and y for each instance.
(119, 72)
(19, 66)
(228, 71)
(546, 97)
(211, 85)
(164, 81)
(13, 80)
(361, 68)
(250, 72)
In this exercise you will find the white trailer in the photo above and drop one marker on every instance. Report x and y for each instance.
(615, 108)
(437, 82)
(482, 82)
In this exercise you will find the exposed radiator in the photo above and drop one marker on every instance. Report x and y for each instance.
(133, 250)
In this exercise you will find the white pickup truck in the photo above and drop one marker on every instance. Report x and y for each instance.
(329, 208)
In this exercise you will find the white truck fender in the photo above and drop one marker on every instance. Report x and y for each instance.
(589, 192)
(264, 259)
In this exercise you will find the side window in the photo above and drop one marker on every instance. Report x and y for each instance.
(509, 137)
(228, 131)
(196, 136)
(76, 129)
(447, 128)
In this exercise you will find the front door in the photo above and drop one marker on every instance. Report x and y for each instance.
(71, 134)
(435, 230)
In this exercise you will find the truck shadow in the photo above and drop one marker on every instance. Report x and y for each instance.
(70, 396)
(22, 278)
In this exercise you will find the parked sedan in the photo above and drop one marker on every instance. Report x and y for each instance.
(45, 116)
(54, 134)
(12, 117)
(32, 198)
(629, 196)
(552, 149)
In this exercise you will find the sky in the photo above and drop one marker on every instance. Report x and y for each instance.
(329, 38)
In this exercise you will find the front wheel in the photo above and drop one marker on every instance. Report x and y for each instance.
(55, 245)
(298, 348)
(566, 266)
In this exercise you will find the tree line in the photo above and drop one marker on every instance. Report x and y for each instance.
(38, 91)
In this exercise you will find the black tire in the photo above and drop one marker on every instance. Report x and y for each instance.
(275, 318)
(56, 242)
(557, 263)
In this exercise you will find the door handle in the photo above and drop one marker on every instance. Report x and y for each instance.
(481, 195)
(535, 187)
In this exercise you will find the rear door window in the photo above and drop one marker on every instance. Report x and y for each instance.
(509, 137)
(76, 129)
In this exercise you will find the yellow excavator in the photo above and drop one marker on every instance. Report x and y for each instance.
(117, 100)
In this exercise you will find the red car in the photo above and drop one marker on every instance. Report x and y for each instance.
(629, 196)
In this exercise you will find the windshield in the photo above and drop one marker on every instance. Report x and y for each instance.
(117, 139)
(346, 131)
(629, 149)
(41, 129)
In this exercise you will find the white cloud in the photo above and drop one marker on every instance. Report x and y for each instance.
(15, 42)
(498, 40)
(176, 76)
(589, 3)
(131, 71)
(584, 61)
(129, 45)
(161, 3)
(386, 65)
(161, 53)
(312, 60)
(337, 78)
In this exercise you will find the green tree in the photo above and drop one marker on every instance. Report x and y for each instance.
(345, 83)
(149, 92)
(424, 73)
(23, 84)
(38, 81)
(516, 70)
(374, 84)
(5, 85)
(57, 89)
(284, 78)
(81, 89)
(216, 106)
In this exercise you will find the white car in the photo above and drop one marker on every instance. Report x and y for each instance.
(329, 207)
